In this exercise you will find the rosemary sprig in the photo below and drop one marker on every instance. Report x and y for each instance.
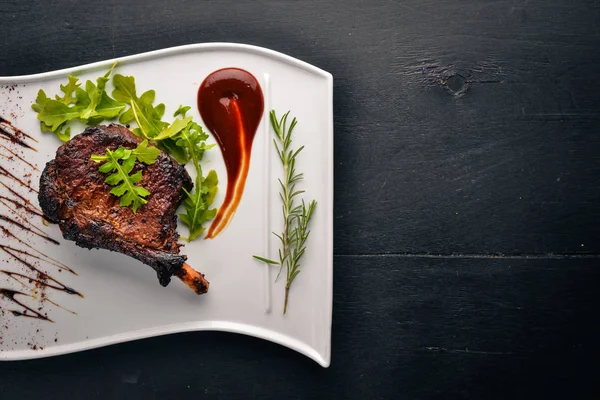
(295, 217)
(300, 235)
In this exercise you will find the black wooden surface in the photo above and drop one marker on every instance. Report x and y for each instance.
(467, 190)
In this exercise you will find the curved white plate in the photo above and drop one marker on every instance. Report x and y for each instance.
(123, 300)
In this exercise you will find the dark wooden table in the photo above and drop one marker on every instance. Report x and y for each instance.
(467, 197)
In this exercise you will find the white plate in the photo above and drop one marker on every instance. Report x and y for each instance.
(123, 300)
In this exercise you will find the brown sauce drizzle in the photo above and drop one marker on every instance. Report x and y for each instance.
(231, 103)
(29, 312)
(4, 172)
(25, 207)
(25, 201)
(38, 281)
(46, 299)
(16, 136)
(20, 225)
(55, 263)
(13, 154)
(44, 278)
(22, 218)
(45, 258)
(12, 138)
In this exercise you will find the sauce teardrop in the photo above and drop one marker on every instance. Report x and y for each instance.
(231, 104)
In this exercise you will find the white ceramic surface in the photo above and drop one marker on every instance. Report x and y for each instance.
(123, 300)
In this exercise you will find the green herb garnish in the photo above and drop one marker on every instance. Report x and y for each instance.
(90, 106)
(295, 217)
(120, 162)
(147, 117)
(183, 139)
(192, 142)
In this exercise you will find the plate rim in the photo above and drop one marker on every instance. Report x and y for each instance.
(165, 330)
(323, 359)
(212, 46)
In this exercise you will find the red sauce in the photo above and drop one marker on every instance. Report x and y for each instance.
(231, 104)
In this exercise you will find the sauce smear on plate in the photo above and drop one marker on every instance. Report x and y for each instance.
(231, 104)
(16, 215)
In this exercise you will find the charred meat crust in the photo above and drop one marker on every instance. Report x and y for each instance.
(164, 263)
(48, 196)
(74, 195)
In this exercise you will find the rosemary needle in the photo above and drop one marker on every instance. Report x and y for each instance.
(296, 217)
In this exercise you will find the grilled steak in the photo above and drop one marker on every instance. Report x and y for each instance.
(74, 195)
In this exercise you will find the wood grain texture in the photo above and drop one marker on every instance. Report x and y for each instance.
(464, 131)
(501, 160)
(434, 328)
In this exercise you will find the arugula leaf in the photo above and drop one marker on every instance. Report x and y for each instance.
(97, 95)
(108, 108)
(103, 80)
(40, 101)
(182, 110)
(146, 154)
(69, 90)
(125, 184)
(141, 109)
(191, 141)
(120, 153)
(94, 94)
(143, 153)
(124, 88)
(147, 116)
(177, 126)
(90, 106)
(83, 99)
(197, 205)
(129, 193)
(176, 149)
(178, 153)
(63, 132)
(55, 113)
